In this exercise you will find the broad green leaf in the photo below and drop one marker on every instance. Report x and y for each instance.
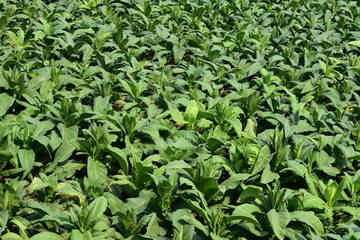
(42, 127)
(22, 224)
(67, 189)
(247, 212)
(333, 192)
(47, 236)
(250, 130)
(216, 237)
(199, 206)
(87, 53)
(177, 164)
(236, 124)
(297, 167)
(120, 157)
(191, 111)
(4, 217)
(39, 206)
(354, 211)
(181, 230)
(355, 43)
(234, 180)
(209, 187)
(192, 221)
(184, 232)
(6, 101)
(14, 236)
(177, 116)
(268, 176)
(77, 235)
(311, 184)
(96, 209)
(17, 39)
(278, 222)
(27, 159)
(68, 133)
(65, 151)
(153, 229)
(96, 171)
(262, 160)
(250, 193)
(250, 227)
(178, 54)
(70, 168)
(139, 204)
(37, 184)
(254, 68)
(204, 123)
(10, 172)
(311, 201)
(310, 219)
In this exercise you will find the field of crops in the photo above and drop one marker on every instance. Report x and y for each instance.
(185, 120)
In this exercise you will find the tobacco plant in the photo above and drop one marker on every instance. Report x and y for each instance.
(140, 119)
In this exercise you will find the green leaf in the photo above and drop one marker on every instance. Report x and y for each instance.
(42, 127)
(236, 124)
(96, 171)
(120, 157)
(216, 237)
(70, 168)
(181, 231)
(68, 133)
(65, 151)
(191, 111)
(310, 219)
(47, 236)
(10, 172)
(14, 236)
(178, 164)
(311, 201)
(355, 43)
(4, 217)
(254, 68)
(297, 167)
(262, 160)
(199, 206)
(234, 180)
(204, 123)
(178, 54)
(26, 159)
(311, 184)
(278, 222)
(268, 176)
(17, 39)
(153, 229)
(192, 221)
(139, 204)
(77, 235)
(184, 232)
(6, 101)
(67, 189)
(250, 193)
(3, 22)
(38, 206)
(250, 129)
(37, 184)
(96, 209)
(247, 212)
(87, 53)
(177, 116)
(333, 192)
(209, 187)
